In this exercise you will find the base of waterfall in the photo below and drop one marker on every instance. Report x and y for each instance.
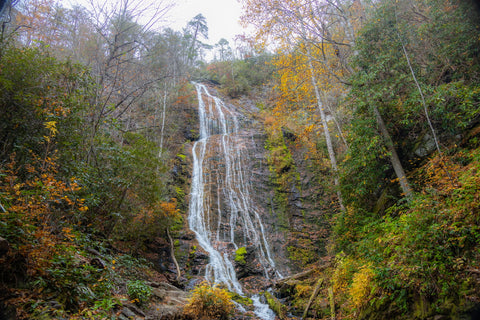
(262, 310)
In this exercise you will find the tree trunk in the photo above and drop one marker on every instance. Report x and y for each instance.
(163, 120)
(339, 128)
(425, 109)
(397, 165)
(312, 297)
(172, 254)
(332, 303)
(331, 152)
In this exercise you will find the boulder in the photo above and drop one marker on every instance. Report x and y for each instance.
(170, 304)
(4, 246)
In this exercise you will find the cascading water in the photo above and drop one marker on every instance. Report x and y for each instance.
(219, 173)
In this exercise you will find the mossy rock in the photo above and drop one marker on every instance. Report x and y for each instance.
(277, 307)
(246, 301)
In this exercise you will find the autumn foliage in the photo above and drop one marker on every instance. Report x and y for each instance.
(95, 121)
(64, 191)
(209, 302)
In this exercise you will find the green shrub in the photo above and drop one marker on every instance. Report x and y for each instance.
(240, 255)
(138, 291)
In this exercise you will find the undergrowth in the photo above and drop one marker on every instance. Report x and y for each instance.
(419, 259)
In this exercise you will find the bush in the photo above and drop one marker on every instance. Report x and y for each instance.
(209, 302)
(240, 255)
(361, 287)
(138, 291)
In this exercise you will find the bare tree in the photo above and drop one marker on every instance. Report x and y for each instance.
(122, 77)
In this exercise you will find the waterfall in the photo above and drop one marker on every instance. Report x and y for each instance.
(220, 172)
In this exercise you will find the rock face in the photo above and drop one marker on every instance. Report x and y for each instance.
(231, 197)
(248, 266)
(168, 303)
(295, 228)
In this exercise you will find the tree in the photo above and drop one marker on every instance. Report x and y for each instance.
(277, 19)
(196, 28)
(224, 48)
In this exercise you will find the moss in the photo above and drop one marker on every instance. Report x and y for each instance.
(182, 156)
(192, 252)
(277, 307)
(303, 252)
(246, 301)
(240, 255)
(283, 175)
(180, 193)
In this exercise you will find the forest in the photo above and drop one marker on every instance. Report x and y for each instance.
(365, 117)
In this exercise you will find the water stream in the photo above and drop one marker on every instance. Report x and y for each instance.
(222, 214)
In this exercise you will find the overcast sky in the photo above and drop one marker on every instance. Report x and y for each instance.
(222, 16)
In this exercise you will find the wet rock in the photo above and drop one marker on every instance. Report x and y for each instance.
(4, 246)
(129, 314)
(250, 266)
(200, 258)
(190, 133)
(159, 293)
(130, 309)
(188, 236)
(193, 283)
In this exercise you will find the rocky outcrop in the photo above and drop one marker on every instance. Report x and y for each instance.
(248, 145)
(168, 303)
(248, 266)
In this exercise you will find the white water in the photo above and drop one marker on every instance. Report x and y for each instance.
(219, 159)
(261, 309)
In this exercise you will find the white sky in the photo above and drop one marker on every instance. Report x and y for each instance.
(222, 16)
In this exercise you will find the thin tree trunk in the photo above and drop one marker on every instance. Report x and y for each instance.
(312, 297)
(331, 152)
(397, 165)
(339, 128)
(425, 109)
(172, 254)
(332, 303)
(163, 120)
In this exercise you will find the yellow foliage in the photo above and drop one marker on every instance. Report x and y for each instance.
(169, 209)
(52, 127)
(442, 174)
(343, 274)
(303, 290)
(41, 202)
(361, 286)
(209, 302)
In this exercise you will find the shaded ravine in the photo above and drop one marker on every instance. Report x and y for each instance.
(222, 214)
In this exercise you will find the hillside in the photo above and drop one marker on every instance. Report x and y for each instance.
(336, 177)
